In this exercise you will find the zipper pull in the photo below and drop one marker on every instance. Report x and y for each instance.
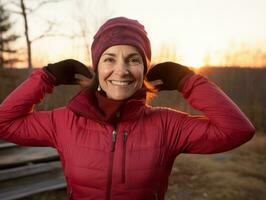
(114, 134)
(71, 195)
(125, 136)
(155, 196)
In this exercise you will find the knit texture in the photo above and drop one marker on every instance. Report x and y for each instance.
(121, 31)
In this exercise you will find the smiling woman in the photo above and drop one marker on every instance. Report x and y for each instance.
(120, 71)
(111, 143)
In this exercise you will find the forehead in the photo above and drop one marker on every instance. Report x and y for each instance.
(121, 49)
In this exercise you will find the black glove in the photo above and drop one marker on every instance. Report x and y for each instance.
(65, 71)
(171, 74)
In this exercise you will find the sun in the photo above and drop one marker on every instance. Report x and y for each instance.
(192, 61)
(196, 66)
(190, 57)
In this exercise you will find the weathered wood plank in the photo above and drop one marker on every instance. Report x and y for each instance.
(11, 157)
(4, 145)
(26, 186)
(31, 169)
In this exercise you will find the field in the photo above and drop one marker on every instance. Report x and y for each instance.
(238, 174)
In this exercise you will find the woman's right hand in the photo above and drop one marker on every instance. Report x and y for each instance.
(70, 71)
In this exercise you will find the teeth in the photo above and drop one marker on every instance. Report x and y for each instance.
(120, 83)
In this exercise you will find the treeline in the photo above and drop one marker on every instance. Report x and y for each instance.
(246, 86)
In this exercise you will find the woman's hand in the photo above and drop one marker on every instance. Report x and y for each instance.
(71, 72)
(168, 76)
(87, 83)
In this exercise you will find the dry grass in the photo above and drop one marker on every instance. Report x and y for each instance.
(238, 174)
(235, 175)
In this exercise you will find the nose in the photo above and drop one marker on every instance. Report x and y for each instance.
(121, 68)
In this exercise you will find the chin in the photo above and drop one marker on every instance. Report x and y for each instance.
(120, 97)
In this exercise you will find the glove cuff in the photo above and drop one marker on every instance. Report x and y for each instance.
(184, 79)
(51, 75)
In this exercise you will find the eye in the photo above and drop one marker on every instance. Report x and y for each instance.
(135, 60)
(109, 60)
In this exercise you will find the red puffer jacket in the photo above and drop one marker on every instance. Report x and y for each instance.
(132, 161)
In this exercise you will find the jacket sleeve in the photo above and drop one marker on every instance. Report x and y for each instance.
(18, 123)
(222, 127)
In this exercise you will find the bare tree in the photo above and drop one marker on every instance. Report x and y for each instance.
(28, 42)
(24, 11)
(88, 20)
(6, 37)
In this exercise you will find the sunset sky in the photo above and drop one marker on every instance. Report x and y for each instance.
(191, 32)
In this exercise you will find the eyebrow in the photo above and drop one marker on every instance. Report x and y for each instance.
(109, 54)
(128, 56)
(133, 54)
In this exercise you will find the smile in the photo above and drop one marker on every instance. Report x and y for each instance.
(120, 83)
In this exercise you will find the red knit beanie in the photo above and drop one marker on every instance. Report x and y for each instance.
(121, 31)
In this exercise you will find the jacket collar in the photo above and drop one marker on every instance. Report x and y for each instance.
(96, 106)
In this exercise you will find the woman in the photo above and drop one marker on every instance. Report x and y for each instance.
(112, 145)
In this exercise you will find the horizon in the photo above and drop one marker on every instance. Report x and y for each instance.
(192, 33)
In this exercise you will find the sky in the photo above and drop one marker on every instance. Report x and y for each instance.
(192, 32)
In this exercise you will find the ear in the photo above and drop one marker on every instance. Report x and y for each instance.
(86, 83)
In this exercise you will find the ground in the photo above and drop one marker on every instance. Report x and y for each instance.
(237, 174)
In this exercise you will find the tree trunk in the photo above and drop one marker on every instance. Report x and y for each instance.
(24, 14)
(1, 52)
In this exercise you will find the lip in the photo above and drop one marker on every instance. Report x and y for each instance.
(120, 82)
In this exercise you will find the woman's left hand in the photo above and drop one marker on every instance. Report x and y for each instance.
(168, 76)
(87, 83)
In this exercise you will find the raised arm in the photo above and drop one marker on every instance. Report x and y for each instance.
(18, 123)
(223, 126)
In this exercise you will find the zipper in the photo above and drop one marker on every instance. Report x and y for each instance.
(114, 134)
(155, 196)
(70, 194)
(124, 157)
(110, 168)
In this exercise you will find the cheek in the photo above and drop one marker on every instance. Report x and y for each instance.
(103, 74)
(139, 75)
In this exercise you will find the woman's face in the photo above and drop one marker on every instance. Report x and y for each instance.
(120, 71)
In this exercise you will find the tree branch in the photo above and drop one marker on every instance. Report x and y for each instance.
(14, 11)
(48, 34)
(56, 35)
(13, 3)
(51, 24)
(41, 4)
(7, 50)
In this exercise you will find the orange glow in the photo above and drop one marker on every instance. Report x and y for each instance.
(190, 32)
